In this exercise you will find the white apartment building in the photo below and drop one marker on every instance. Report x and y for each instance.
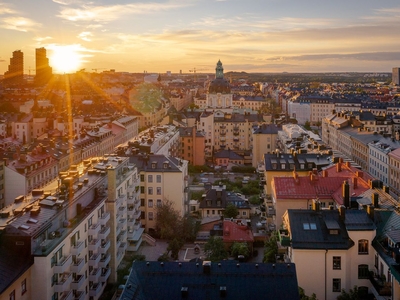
(332, 249)
(162, 178)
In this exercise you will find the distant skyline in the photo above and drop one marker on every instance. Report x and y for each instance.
(173, 35)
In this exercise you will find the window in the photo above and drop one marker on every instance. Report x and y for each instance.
(363, 247)
(159, 202)
(337, 263)
(150, 191)
(158, 190)
(150, 216)
(363, 272)
(12, 295)
(336, 285)
(150, 203)
(150, 178)
(23, 286)
(142, 202)
(309, 226)
(141, 178)
(158, 178)
(142, 189)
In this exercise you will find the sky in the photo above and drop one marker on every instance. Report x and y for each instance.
(182, 35)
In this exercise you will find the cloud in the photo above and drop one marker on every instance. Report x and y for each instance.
(362, 56)
(19, 24)
(42, 39)
(85, 36)
(67, 2)
(104, 14)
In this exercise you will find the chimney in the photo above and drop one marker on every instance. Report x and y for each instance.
(296, 177)
(324, 173)
(359, 174)
(342, 212)
(370, 212)
(348, 164)
(346, 194)
(386, 189)
(375, 200)
(355, 181)
(316, 205)
(338, 167)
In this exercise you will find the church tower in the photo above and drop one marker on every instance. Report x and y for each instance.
(219, 91)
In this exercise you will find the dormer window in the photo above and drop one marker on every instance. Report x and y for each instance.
(153, 165)
(166, 165)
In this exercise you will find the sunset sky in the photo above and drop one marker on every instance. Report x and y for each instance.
(174, 35)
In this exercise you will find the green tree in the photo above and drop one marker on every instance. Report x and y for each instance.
(351, 295)
(303, 296)
(307, 125)
(215, 249)
(240, 249)
(167, 220)
(174, 246)
(231, 211)
(271, 249)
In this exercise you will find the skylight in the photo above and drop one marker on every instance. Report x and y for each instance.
(309, 226)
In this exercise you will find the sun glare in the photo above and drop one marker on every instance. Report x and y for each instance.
(65, 59)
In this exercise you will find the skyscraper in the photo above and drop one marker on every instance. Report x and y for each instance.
(396, 76)
(43, 71)
(15, 73)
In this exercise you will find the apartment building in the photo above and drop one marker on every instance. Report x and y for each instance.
(162, 178)
(78, 235)
(339, 245)
(192, 145)
(28, 171)
(264, 140)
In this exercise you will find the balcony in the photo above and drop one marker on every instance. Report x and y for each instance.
(94, 229)
(104, 247)
(136, 215)
(78, 282)
(223, 127)
(123, 246)
(95, 290)
(131, 222)
(64, 284)
(104, 232)
(122, 209)
(105, 273)
(79, 295)
(222, 133)
(236, 139)
(67, 295)
(105, 261)
(94, 260)
(94, 244)
(95, 275)
(104, 218)
(63, 265)
(381, 286)
(118, 230)
(77, 248)
(77, 266)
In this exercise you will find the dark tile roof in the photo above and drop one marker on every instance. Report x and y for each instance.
(225, 197)
(267, 129)
(317, 160)
(190, 280)
(310, 229)
(145, 163)
(228, 154)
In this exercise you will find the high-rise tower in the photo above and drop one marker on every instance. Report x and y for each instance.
(396, 76)
(15, 73)
(43, 71)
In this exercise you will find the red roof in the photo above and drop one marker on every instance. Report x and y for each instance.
(327, 186)
(234, 232)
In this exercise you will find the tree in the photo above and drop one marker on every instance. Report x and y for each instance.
(307, 125)
(231, 211)
(240, 249)
(271, 249)
(303, 296)
(351, 295)
(167, 222)
(215, 249)
(174, 246)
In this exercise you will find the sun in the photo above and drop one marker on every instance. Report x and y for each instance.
(65, 59)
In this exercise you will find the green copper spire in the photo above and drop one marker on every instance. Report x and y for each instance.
(219, 70)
